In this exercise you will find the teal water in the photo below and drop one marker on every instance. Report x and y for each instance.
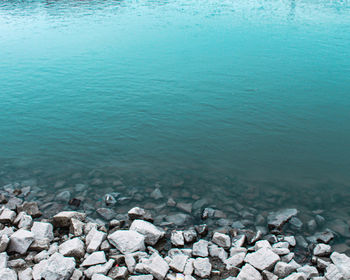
(254, 89)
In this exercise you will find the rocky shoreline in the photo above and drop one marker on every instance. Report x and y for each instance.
(74, 245)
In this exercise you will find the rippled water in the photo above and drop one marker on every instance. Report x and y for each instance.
(252, 89)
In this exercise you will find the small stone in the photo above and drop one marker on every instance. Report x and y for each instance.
(263, 259)
(222, 240)
(248, 272)
(136, 213)
(120, 272)
(20, 241)
(77, 227)
(99, 269)
(309, 271)
(98, 276)
(157, 266)
(151, 232)
(72, 248)
(311, 225)
(190, 235)
(342, 262)
(178, 219)
(8, 274)
(43, 255)
(106, 213)
(283, 269)
(42, 230)
(239, 240)
(3, 260)
(31, 208)
(267, 275)
(202, 267)
(94, 259)
(110, 199)
(25, 274)
(4, 241)
(322, 250)
(77, 275)
(64, 196)
(236, 258)
(7, 216)
(279, 218)
(127, 241)
(171, 202)
(178, 262)
(200, 248)
(186, 207)
(157, 194)
(63, 219)
(177, 238)
(94, 240)
(296, 276)
(219, 252)
(202, 230)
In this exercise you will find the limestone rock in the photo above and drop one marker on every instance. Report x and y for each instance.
(100, 268)
(151, 232)
(31, 208)
(202, 267)
(157, 266)
(8, 274)
(94, 259)
(127, 241)
(342, 262)
(7, 216)
(322, 250)
(200, 248)
(222, 240)
(178, 262)
(94, 240)
(63, 219)
(20, 241)
(177, 238)
(42, 231)
(263, 259)
(72, 248)
(279, 218)
(248, 272)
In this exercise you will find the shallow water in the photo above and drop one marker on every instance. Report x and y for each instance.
(257, 90)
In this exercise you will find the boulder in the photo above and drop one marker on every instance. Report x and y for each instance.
(20, 241)
(263, 259)
(72, 248)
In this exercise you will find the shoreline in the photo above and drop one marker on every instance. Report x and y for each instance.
(135, 245)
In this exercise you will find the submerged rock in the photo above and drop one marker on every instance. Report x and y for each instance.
(276, 220)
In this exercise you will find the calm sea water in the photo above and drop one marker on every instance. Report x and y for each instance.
(254, 89)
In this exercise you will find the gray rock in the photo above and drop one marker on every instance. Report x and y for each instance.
(63, 219)
(42, 231)
(267, 275)
(110, 199)
(151, 232)
(309, 271)
(7, 216)
(239, 240)
(296, 276)
(322, 250)
(236, 258)
(283, 269)
(279, 218)
(120, 272)
(94, 259)
(23, 221)
(202, 267)
(3, 260)
(157, 194)
(72, 248)
(178, 219)
(136, 213)
(127, 241)
(43, 255)
(8, 274)
(57, 267)
(296, 223)
(222, 240)
(190, 235)
(263, 259)
(248, 272)
(31, 208)
(99, 269)
(200, 248)
(188, 270)
(20, 241)
(77, 227)
(157, 266)
(219, 252)
(177, 238)
(77, 275)
(332, 273)
(106, 213)
(64, 196)
(342, 262)
(186, 207)
(141, 277)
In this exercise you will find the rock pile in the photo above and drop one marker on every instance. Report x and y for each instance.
(73, 246)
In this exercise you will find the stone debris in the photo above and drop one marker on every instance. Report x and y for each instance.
(74, 246)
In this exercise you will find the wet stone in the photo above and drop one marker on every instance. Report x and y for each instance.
(279, 218)
(31, 208)
(106, 213)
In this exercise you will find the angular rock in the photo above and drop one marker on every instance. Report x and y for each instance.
(342, 262)
(106, 213)
(296, 276)
(42, 231)
(3, 260)
(94, 259)
(200, 248)
(120, 272)
(94, 240)
(219, 252)
(31, 208)
(20, 241)
(322, 250)
(26, 274)
(57, 267)
(77, 227)
(309, 271)
(236, 258)
(190, 235)
(100, 268)
(283, 269)
(178, 262)
(63, 219)
(98, 276)
(279, 218)
(222, 240)
(157, 266)
(151, 232)
(177, 238)
(8, 274)
(202, 267)
(7, 216)
(248, 272)
(4, 241)
(127, 241)
(263, 259)
(136, 213)
(72, 248)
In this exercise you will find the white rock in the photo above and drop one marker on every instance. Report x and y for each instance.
(262, 244)
(309, 271)
(190, 235)
(3, 260)
(57, 267)
(342, 262)
(322, 250)
(157, 266)
(4, 242)
(263, 259)
(236, 258)
(136, 213)
(94, 259)
(100, 268)
(202, 267)
(267, 275)
(222, 240)
(248, 272)
(279, 218)
(177, 238)
(77, 275)
(127, 241)
(43, 255)
(200, 248)
(25, 274)
(295, 276)
(100, 277)
(42, 231)
(8, 274)
(72, 248)
(283, 269)
(219, 252)
(151, 232)
(76, 227)
(178, 262)
(20, 241)
(7, 216)
(94, 240)
(188, 270)
(141, 277)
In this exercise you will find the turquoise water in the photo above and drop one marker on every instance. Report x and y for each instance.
(253, 89)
